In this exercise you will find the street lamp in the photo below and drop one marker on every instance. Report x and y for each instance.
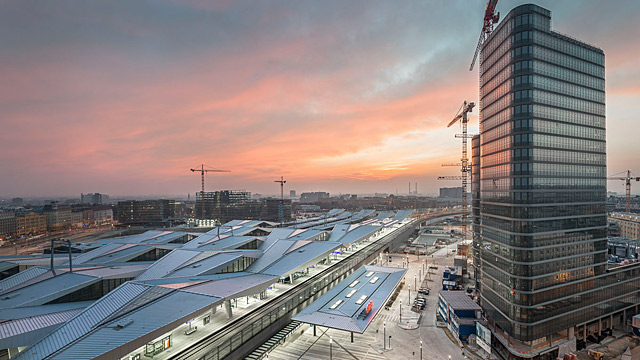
(414, 281)
(420, 349)
(400, 310)
(331, 348)
(384, 335)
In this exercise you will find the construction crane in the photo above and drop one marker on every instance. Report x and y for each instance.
(627, 179)
(465, 168)
(202, 171)
(490, 19)
(282, 181)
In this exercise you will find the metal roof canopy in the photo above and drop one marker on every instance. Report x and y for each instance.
(459, 300)
(346, 314)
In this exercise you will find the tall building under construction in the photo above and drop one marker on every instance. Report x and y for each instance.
(540, 194)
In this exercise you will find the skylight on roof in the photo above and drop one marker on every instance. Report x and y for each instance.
(335, 304)
(354, 283)
(369, 274)
(361, 300)
(350, 294)
(374, 280)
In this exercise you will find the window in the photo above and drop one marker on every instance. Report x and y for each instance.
(527, 64)
(519, 109)
(524, 79)
(523, 94)
(523, 50)
(523, 19)
(523, 35)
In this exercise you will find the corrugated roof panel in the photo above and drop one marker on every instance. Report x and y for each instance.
(80, 324)
(145, 320)
(88, 256)
(21, 277)
(47, 290)
(21, 327)
(167, 264)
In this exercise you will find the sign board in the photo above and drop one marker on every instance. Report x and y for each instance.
(483, 337)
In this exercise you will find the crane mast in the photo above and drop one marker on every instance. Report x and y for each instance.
(464, 160)
(282, 181)
(202, 171)
(627, 181)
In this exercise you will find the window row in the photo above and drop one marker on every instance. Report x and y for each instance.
(491, 59)
(544, 169)
(536, 212)
(495, 76)
(522, 94)
(567, 47)
(523, 35)
(523, 19)
(495, 94)
(566, 143)
(501, 157)
(560, 128)
(542, 111)
(497, 145)
(568, 102)
(496, 106)
(522, 50)
(575, 77)
(568, 61)
(523, 109)
(496, 132)
(569, 157)
(562, 87)
(521, 65)
(522, 139)
(489, 122)
(498, 37)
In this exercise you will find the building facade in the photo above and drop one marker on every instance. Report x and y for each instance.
(451, 192)
(628, 224)
(542, 180)
(30, 223)
(7, 224)
(313, 196)
(94, 199)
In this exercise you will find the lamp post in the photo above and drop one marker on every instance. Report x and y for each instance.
(409, 294)
(331, 348)
(400, 310)
(420, 349)
(384, 335)
(414, 281)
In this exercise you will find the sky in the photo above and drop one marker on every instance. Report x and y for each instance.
(124, 97)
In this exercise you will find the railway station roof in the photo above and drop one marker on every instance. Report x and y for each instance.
(353, 303)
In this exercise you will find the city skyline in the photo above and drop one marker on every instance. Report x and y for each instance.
(124, 98)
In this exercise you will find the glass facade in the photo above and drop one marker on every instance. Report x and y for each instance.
(540, 192)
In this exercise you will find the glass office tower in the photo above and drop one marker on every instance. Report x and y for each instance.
(542, 181)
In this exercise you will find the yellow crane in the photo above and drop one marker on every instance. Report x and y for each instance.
(464, 160)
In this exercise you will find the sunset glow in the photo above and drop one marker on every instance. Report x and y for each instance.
(123, 98)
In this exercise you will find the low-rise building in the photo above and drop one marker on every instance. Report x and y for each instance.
(30, 223)
(7, 224)
(628, 223)
(459, 312)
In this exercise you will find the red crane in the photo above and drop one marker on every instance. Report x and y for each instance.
(490, 19)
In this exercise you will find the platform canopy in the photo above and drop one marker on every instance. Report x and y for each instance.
(353, 303)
